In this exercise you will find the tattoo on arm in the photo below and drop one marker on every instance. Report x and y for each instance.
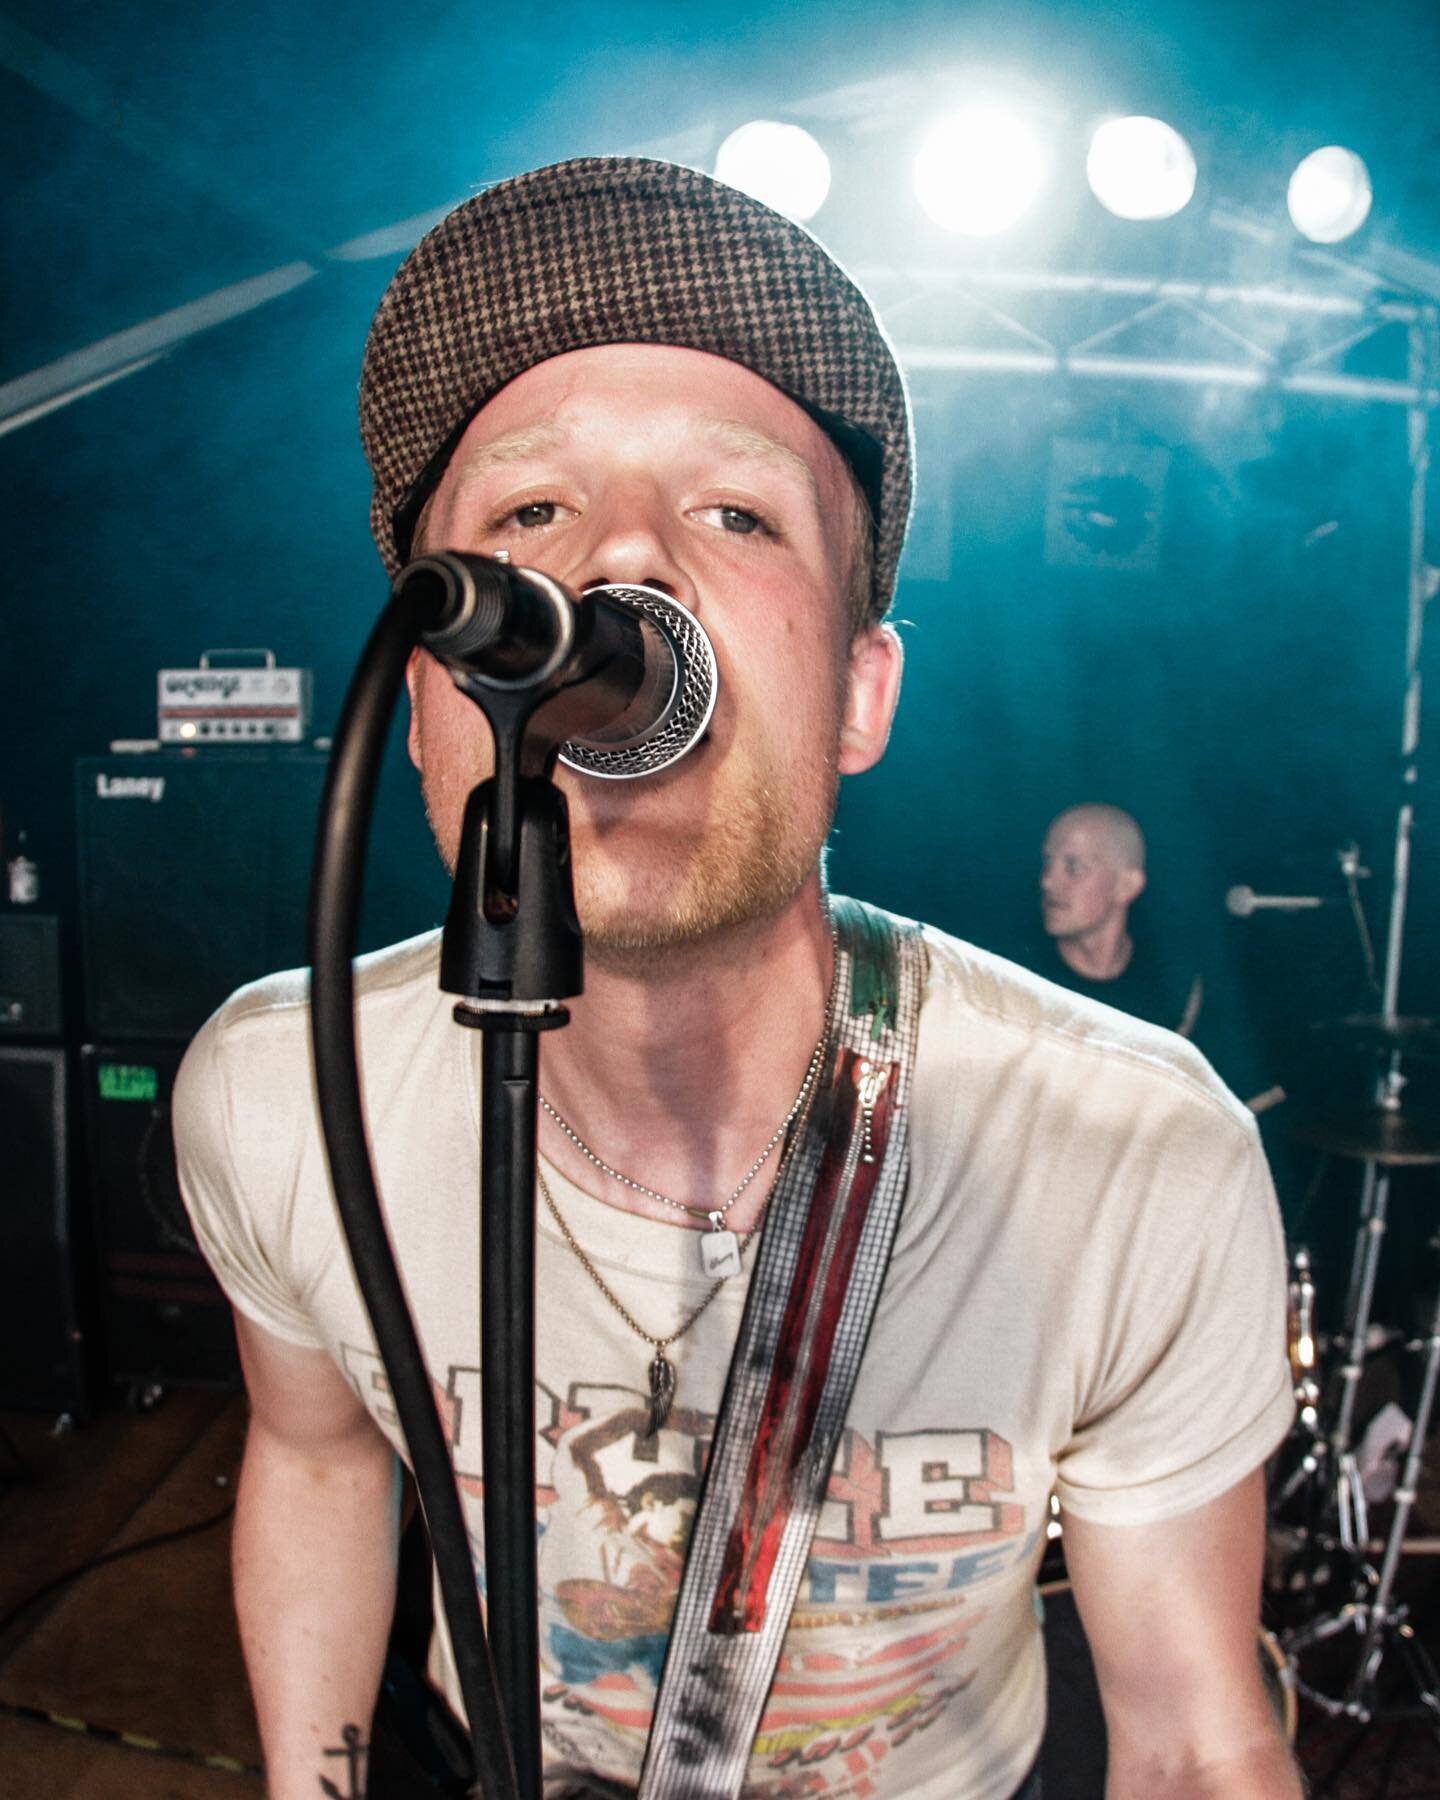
(355, 1752)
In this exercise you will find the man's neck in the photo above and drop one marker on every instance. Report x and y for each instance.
(678, 1064)
(1099, 955)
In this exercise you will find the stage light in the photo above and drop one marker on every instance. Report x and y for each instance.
(1329, 196)
(781, 165)
(980, 171)
(1140, 168)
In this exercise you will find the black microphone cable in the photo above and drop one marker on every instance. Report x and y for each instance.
(335, 895)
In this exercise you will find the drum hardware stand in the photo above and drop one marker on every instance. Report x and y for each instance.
(1327, 1471)
(1369, 1238)
(1311, 1480)
(1384, 1621)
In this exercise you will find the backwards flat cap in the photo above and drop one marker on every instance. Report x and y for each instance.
(623, 250)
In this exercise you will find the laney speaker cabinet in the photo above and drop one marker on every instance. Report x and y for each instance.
(43, 1346)
(194, 878)
(166, 1320)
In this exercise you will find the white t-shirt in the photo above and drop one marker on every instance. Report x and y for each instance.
(1087, 1295)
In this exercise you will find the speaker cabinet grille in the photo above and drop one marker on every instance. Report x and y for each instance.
(194, 878)
(29, 975)
(42, 1343)
(166, 1319)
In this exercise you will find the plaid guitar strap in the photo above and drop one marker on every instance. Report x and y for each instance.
(823, 1256)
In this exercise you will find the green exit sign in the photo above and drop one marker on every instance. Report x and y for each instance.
(128, 1081)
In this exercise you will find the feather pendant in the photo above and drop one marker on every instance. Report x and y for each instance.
(662, 1393)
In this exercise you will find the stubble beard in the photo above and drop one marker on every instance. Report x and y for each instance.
(744, 868)
(751, 856)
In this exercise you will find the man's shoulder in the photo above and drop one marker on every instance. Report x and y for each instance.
(992, 1008)
(386, 980)
(250, 1064)
(260, 1037)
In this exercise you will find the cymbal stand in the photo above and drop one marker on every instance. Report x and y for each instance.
(1380, 1624)
(1360, 1301)
(1387, 1623)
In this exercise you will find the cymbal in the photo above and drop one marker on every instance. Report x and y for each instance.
(1374, 1032)
(1372, 1134)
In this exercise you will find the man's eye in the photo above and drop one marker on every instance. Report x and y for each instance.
(535, 512)
(733, 518)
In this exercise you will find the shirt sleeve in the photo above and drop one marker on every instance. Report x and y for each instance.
(235, 1120)
(1197, 1391)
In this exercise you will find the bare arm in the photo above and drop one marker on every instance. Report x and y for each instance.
(314, 1559)
(1171, 1612)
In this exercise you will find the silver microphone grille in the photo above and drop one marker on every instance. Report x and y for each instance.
(681, 723)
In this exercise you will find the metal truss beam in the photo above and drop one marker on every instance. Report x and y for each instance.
(1127, 328)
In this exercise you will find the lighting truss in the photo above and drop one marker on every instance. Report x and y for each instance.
(1123, 328)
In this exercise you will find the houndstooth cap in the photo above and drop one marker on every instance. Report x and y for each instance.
(610, 250)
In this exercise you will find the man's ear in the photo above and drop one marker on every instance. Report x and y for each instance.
(1132, 885)
(412, 682)
(872, 687)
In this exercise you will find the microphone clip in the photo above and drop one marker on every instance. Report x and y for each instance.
(512, 947)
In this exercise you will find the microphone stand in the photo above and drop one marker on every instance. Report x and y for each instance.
(512, 951)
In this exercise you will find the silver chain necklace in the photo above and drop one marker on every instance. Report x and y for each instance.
(662, 1370)
(719, 1247)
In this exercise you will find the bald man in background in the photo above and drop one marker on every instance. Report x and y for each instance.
(1091, 873)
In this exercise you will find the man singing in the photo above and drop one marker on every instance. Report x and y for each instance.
(620, 371)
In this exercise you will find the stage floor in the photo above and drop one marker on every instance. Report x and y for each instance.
(128, 1683)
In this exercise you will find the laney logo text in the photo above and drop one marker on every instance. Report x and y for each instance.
(130, 787)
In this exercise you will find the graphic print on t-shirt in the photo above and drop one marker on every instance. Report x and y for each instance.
(914, 1525)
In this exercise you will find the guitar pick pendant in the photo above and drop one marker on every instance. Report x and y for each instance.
(719, 1250)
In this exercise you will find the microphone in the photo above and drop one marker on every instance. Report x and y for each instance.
(633, 671)
(1242, 901)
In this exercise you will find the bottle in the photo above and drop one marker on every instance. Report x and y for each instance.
(24, 876)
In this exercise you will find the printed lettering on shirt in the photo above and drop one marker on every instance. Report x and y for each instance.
(914, 1527)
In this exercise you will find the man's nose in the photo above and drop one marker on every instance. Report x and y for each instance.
(636, 542)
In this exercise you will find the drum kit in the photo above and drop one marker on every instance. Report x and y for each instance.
(1345, 1629)
(1347, 1637)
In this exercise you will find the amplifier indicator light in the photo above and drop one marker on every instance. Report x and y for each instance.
(128, 1081)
